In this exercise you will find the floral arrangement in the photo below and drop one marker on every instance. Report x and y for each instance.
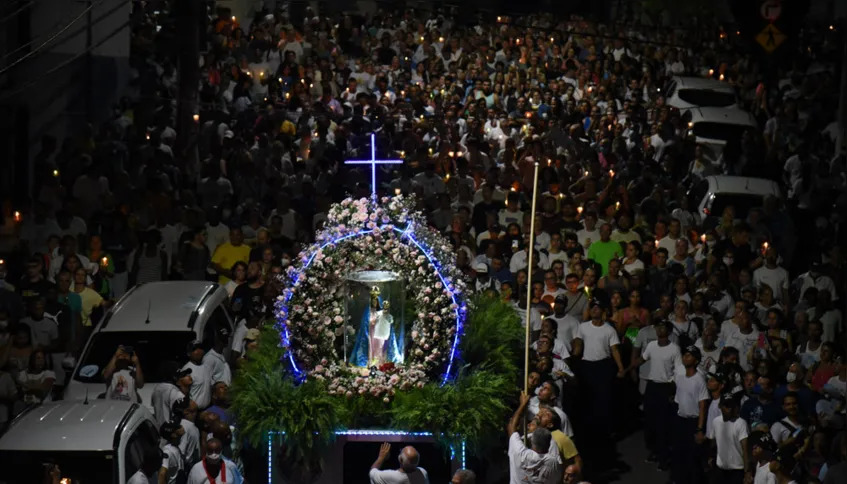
(365, 235)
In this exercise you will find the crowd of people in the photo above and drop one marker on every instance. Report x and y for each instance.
(724, 331)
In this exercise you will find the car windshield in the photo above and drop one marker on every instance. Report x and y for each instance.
(719, 131)
(707, 98)
(741, 202)
(152, 347)
(79, 467)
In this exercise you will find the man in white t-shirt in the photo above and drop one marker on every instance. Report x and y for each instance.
(761, 447)
(690, 423)
(123, 375)
(773, 275)
(665, 358)
(167, 393)
(596, 344)
(540, 464)
(729, 434)
(201, 385)
(409, 472)
(172, 461)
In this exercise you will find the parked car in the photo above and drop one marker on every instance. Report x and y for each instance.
(157, 320)
(100, 441)
(714, 128)
(692, 92)
(713, 194)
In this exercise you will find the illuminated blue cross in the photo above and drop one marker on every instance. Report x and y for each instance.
(373, 162)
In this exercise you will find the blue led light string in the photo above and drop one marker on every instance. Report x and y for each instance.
(404, 233)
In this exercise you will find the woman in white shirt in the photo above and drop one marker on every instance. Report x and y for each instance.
(631, 262)
(36, 381)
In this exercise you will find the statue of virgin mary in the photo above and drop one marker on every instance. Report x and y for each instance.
(376, 339)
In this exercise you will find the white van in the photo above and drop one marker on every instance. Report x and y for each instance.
(99, 441)
(692, 92)
(713, 194)
(157, 320)
(713, 128)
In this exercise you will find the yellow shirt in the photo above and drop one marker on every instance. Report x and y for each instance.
(90, 300)
(566, 447)
(226, 255)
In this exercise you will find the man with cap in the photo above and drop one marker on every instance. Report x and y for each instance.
(665, 359)
(691, 397)
(484, 281)
(167, 393)
(184, 411)
(201, 386)
(729, 434)
(596, 345)
(173, 464)
(762, 447)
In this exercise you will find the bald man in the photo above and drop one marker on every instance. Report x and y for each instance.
(408, 473)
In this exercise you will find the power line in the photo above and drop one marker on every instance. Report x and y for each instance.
(62, 65)
(16, 12)
(51, 39)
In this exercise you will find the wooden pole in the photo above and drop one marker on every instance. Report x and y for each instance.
(529, 280)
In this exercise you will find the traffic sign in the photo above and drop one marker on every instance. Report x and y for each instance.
(770, 38)
(771, 10)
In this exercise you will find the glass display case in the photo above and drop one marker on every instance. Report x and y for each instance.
(375, 332)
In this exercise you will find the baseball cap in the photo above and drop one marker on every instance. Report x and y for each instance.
(717, 373)
(252, 334)
(763, 440)
(182, 373)
(169, 428)
(595, 302)
(728, 400)
(193, 346)
(480, 268)
(693, 351)
(561, 299)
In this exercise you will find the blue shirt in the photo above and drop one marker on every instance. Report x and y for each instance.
(755, 412)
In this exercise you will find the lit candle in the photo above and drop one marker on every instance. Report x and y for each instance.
(458, 154)
(551, 39)
(656, 243)
(447, 177)
(55, 172)
(196, 118)
(720, 77)
(585, 173)
(280, 81)
(233, 18)
(703, 239)
(549, 162)
(441, 39)
(18, 216)
(561, 196)
(617, 206)
(104, 261)
(513, 189)
(450, 154)
(499, 18)
(430, 150)
(402, 154)
(832, 27)
(765, 247)
(612, 173)
(287, 95)
(711, 72)
(579, 209)
(148, 136)
(397, 191)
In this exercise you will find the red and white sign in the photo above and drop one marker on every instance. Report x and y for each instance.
(771, 10)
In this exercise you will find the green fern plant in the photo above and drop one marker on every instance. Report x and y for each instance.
(494, 338)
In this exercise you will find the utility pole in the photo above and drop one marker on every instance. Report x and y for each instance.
(189, 15)
(840, 142)
(89, 61)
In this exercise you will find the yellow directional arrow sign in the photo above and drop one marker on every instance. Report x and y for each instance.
(770, 38)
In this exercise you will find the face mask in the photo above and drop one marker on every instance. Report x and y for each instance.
(285, 262)
(790, 377)
(727, 261)
(214, 458)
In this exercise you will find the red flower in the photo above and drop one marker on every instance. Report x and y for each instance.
(387, 367)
